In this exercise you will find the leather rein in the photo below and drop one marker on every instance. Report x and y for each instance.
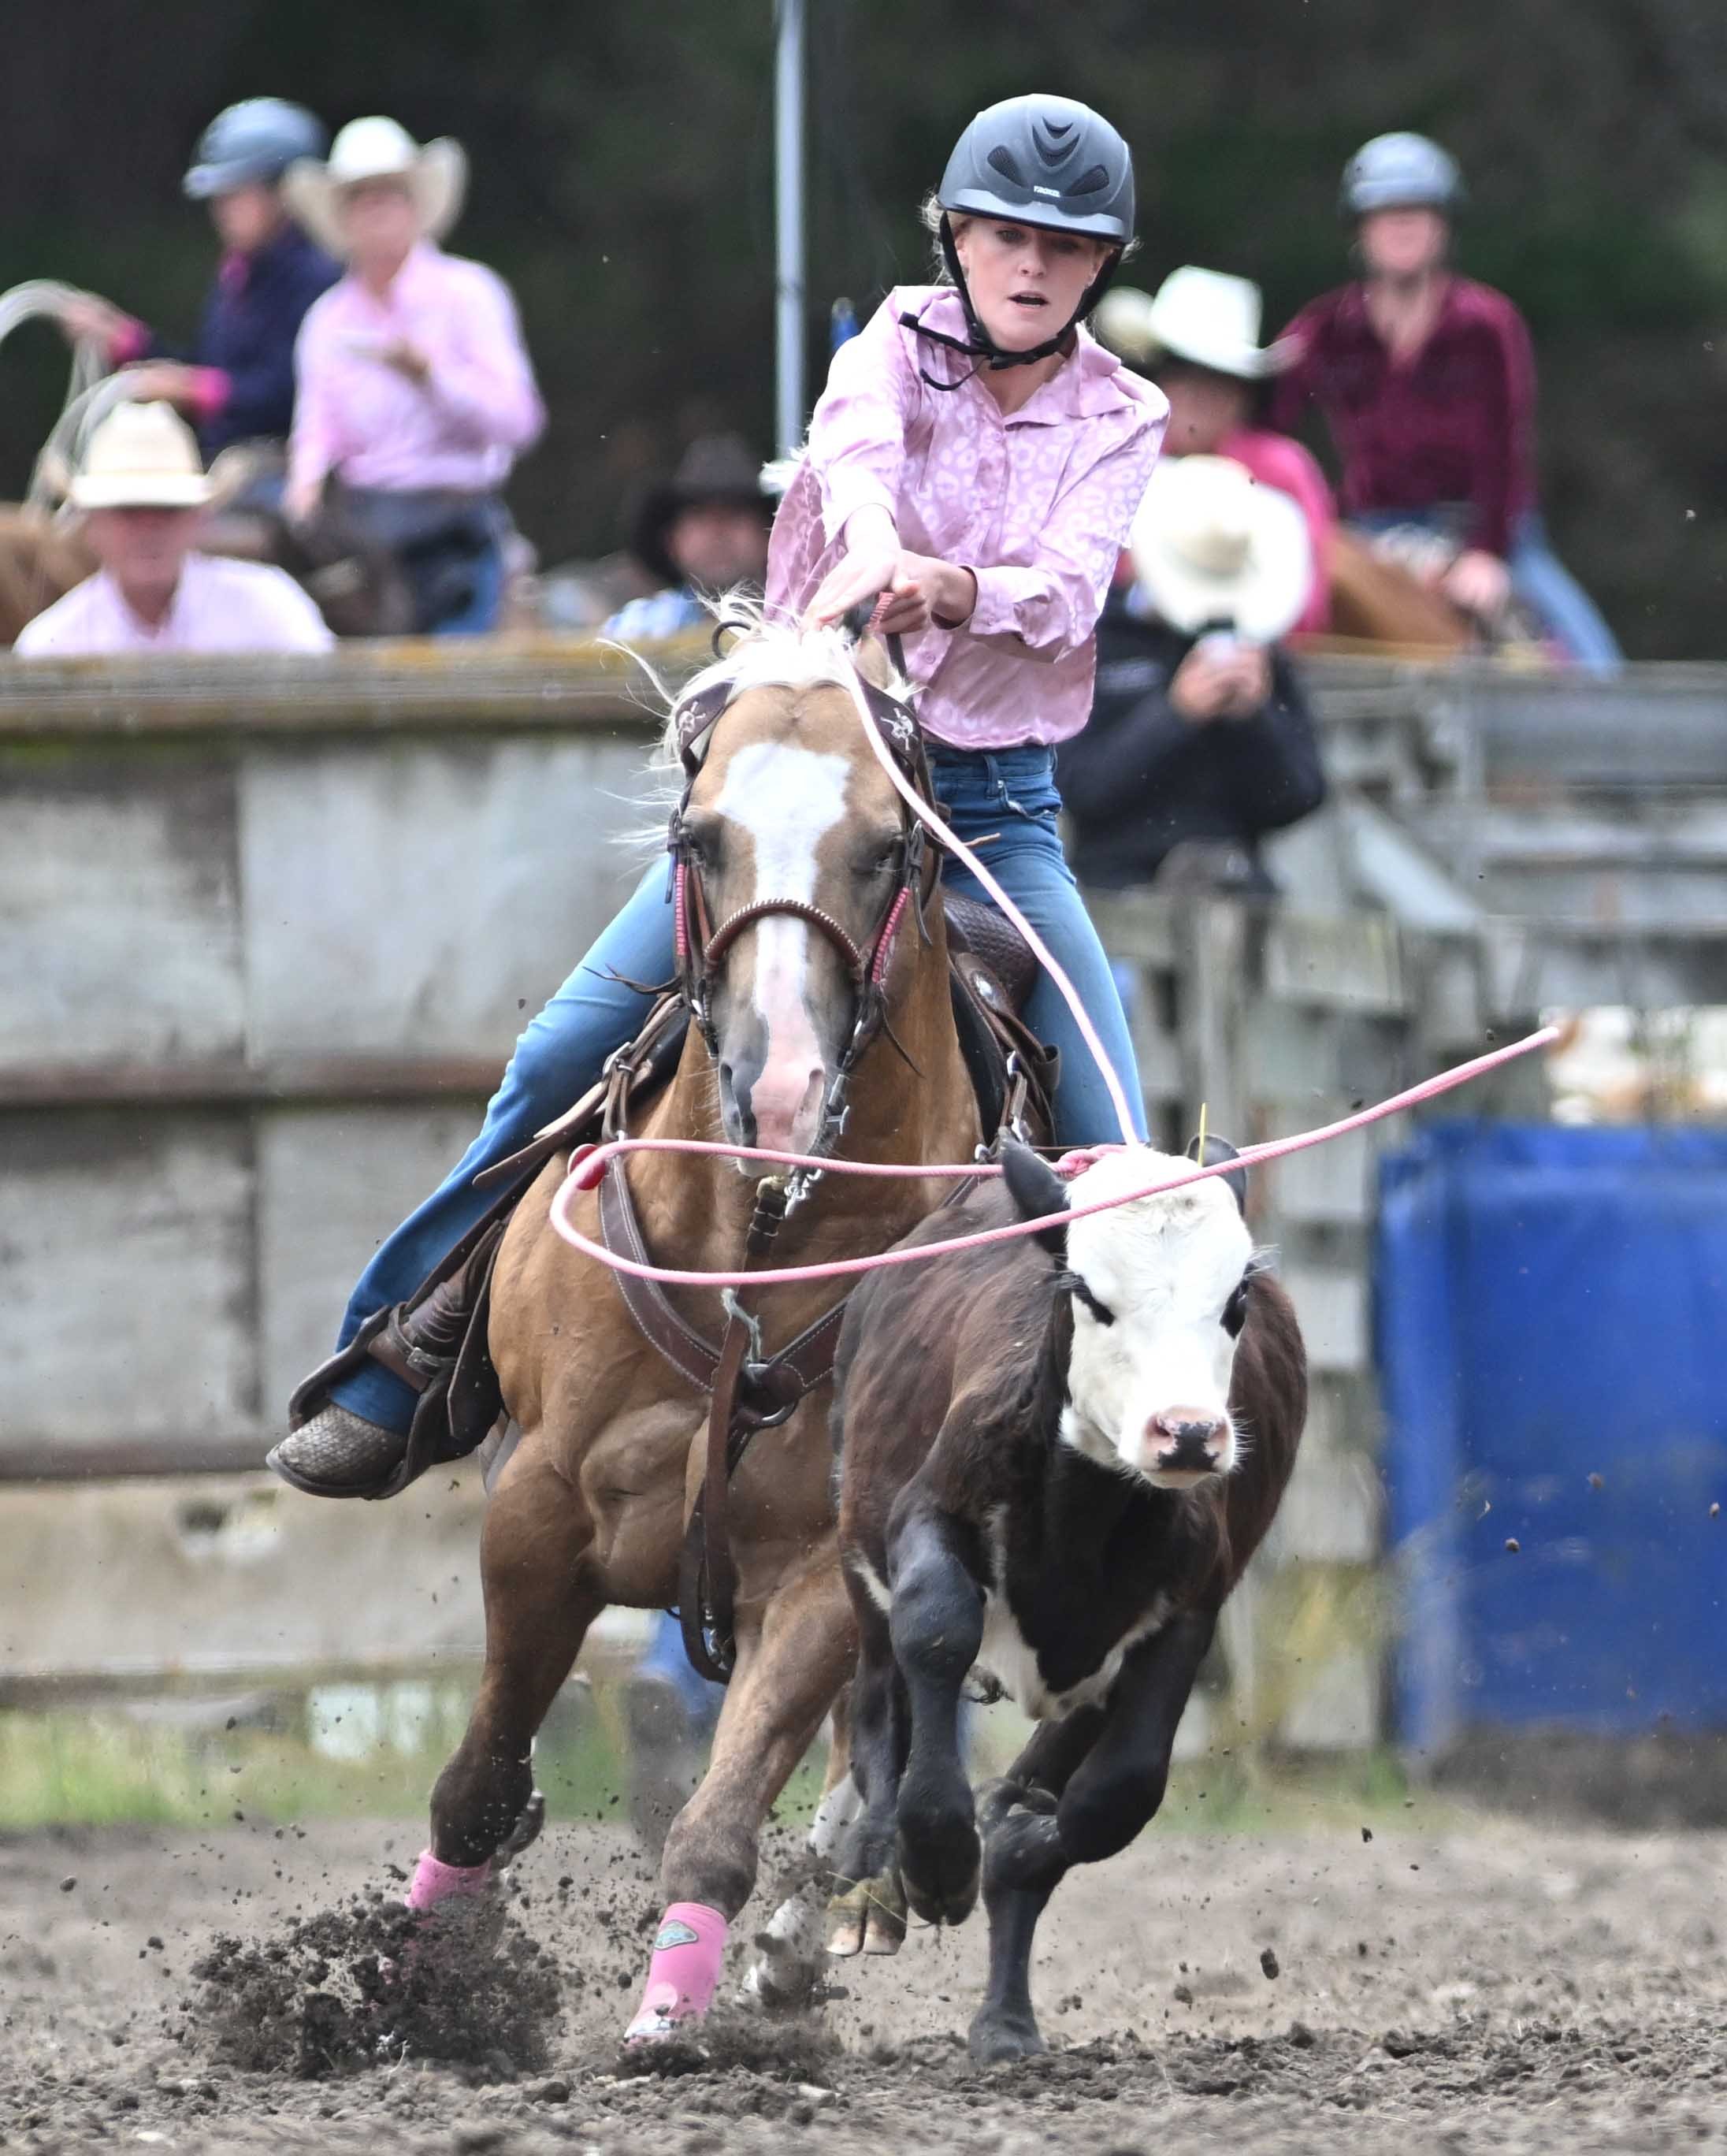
(748, 1391)
(702, 949)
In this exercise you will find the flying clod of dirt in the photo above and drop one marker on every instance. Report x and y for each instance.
(374, 1982)
(803, 2049)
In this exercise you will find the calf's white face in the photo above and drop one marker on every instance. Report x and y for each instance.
(1158, 1302)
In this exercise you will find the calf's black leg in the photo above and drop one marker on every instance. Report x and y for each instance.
(1109, 1794)
(867, 1912)
(936, 1626)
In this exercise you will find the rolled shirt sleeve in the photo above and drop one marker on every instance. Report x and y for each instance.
(1048, 608)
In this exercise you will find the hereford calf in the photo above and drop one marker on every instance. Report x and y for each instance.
(1055, 1456)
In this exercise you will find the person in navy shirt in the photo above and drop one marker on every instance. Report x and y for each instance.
(237, 383)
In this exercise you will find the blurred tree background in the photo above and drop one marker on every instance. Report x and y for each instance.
(622, 182)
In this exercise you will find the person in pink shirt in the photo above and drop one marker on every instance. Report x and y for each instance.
(414, 389)
(1198, 338)
(973, 467)
(143, 492)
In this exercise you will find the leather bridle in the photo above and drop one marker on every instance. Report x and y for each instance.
(702, 949)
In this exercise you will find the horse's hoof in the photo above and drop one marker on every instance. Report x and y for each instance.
(940, 1866)
(528, 1823)
(997, 2038)
(868, 1918)
(660, 2015)
(786, 1972)
(940, 1854)
(997, 1799)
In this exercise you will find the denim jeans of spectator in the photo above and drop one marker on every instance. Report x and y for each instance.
(480, 613)
(1003, 803)
(1540, 580)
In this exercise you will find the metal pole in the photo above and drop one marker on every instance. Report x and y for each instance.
(788, 224)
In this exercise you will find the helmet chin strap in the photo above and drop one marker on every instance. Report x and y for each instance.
(978, 344)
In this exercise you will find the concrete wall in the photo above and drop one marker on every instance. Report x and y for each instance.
(268, 931)
(255, 984)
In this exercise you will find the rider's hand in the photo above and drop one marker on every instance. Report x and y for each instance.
(872, 558)
(162, 381)
(924, 590)
(85, 319)
(1478, 583)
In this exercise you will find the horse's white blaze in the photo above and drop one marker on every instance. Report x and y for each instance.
(787, 799)
(1165, 1267)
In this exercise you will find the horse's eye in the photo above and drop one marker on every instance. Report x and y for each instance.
(1235, 1311)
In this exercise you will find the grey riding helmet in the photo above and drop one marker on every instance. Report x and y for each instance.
(1047, 162)
(1400, 172)
(252, 144)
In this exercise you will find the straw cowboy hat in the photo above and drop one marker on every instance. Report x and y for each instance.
(142, 456)
(716, 468)
(1211, 546)
(1203, 317)
(436, 175)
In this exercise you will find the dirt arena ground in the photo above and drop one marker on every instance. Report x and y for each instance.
(1490, 1986)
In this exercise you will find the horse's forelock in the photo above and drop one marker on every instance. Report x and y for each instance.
(769, 652)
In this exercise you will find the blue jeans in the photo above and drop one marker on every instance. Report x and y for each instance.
(1540, 580)
(1007, 798)
(480, 613)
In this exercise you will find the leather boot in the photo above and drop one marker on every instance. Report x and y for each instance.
(338, 1454)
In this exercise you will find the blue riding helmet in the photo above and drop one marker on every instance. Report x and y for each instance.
(1400, 172)
(252, 144)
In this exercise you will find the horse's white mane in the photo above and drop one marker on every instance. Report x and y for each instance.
(771, 650)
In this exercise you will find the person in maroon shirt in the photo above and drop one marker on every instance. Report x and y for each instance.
(1427, 383)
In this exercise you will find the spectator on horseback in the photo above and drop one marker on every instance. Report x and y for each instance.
(236, 382)
(415, 391)
(1201, 738)
(1198, 340)
(143, 493)
(1426, 381)
(700, 533)
(973, 467)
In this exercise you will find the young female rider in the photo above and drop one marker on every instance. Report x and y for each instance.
(976, 460)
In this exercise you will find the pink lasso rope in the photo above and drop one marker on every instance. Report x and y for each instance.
(591, 1163)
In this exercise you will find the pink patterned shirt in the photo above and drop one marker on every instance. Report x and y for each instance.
(1036, 504)
(462, 427)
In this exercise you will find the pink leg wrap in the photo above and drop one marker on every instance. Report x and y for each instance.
(685, 1972)
(435, 1883)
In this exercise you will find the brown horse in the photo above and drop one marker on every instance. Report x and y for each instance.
(797, 848)
(40, 561)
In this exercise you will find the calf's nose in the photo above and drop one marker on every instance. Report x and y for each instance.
(1186, 1442)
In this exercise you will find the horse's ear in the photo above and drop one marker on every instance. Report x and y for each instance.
(1216, 1149)
(1038, 1193)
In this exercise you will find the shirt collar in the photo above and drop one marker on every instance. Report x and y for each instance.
(1089, 381)
(163, 631)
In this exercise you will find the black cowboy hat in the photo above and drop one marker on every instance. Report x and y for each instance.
(715, 468)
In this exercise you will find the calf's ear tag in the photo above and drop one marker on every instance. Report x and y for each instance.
(1207, 1150)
